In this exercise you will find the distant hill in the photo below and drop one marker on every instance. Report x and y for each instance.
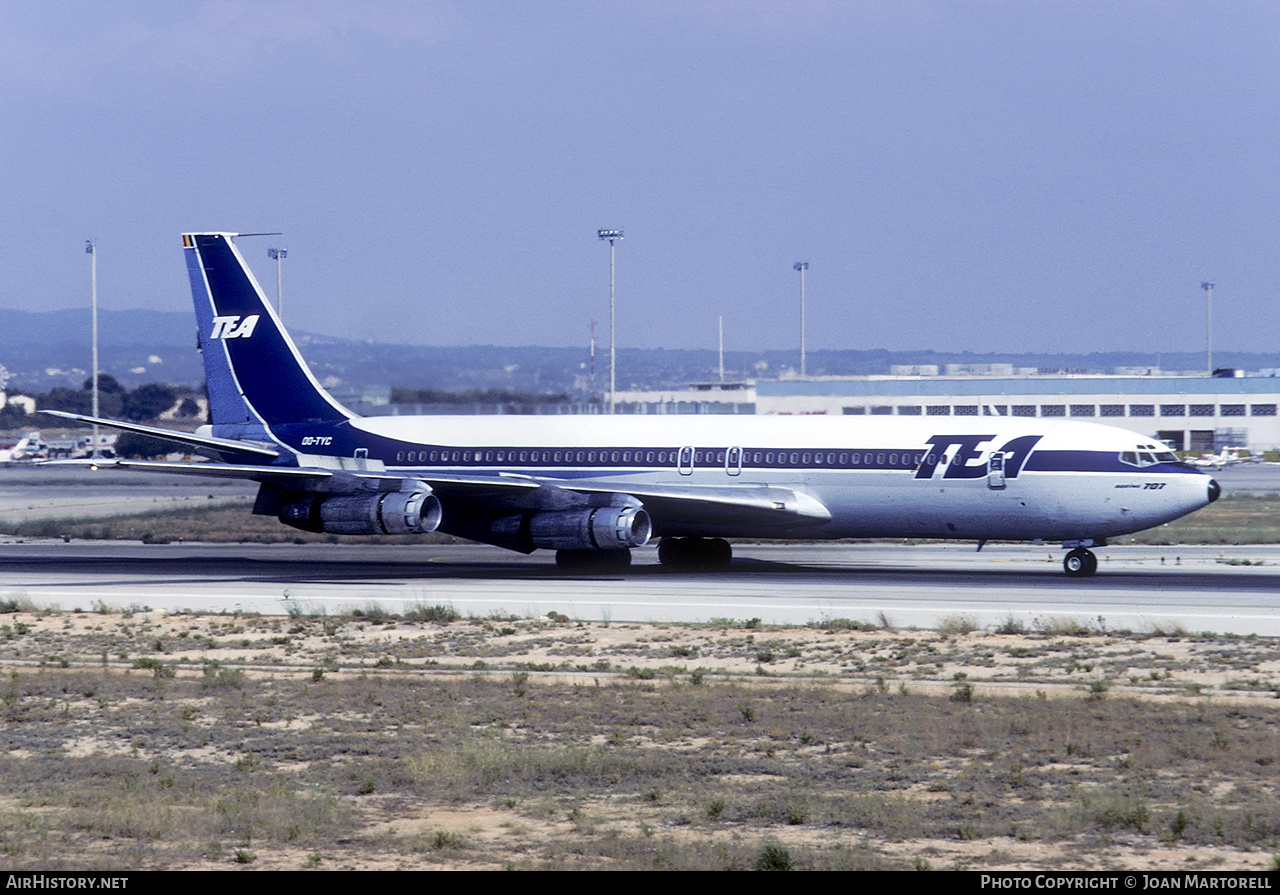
(48, 348)
(45, 349)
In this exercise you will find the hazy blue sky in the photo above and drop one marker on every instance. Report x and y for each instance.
(1011, 175)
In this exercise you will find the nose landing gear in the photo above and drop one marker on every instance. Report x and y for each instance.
(1080, 563)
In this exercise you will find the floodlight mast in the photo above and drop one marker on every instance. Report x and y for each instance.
(1208, 327)
(91, 247)
(801, 266)
(279, 255)
(612, 236)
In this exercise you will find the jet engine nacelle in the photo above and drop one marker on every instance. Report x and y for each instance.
(390, 512)
(599, 528)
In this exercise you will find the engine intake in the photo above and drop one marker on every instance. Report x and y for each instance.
(391, 512)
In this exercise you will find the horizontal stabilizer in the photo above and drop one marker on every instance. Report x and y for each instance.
(204, 443)
(290, 478)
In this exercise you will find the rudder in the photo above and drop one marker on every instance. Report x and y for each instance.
(255, 374)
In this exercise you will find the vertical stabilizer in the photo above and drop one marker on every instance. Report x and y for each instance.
(256, 375)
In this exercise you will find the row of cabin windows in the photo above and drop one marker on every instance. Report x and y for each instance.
(1062, 410)
(748, 457)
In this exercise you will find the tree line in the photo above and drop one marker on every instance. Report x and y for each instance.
(146, 402)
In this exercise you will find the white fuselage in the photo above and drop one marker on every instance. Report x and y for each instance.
(974, 478)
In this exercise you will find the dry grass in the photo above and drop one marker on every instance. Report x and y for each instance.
(1232, 520)
(226, 523)
(136, 740)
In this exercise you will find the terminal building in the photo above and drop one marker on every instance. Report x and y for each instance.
(1186, 412)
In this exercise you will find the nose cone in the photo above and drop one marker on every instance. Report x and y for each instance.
(1215, 490)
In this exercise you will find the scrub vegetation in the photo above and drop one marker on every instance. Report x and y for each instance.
(1243, 519)
(132, 739)
(229, 522)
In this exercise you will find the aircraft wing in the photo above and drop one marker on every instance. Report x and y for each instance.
(672, 507)
(278, 474)
(223, 448)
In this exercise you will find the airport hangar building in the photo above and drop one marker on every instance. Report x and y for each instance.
(1189, 413)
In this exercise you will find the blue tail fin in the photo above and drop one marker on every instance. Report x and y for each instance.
(256, 376)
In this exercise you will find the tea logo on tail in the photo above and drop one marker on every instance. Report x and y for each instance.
(234, 327)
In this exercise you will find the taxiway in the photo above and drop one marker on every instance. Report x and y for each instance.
(1138, 588)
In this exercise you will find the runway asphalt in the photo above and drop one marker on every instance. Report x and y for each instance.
(1138, 588)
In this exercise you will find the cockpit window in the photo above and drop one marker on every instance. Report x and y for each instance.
(1149, 455)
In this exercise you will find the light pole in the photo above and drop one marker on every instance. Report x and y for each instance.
(92, 249)
(801, 266)
(279, 255)
(722, 347)
(1208, 326)
(612, 236)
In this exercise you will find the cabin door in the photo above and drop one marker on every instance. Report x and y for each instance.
(995, 471)
(685, 461)
(733, 460)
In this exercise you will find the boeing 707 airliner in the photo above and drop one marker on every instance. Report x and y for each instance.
(593, 488)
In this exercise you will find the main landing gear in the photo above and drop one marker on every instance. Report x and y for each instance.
(695, 553)
(599, 560)
(1080, 563)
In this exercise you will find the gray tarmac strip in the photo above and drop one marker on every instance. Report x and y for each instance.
(1138, 588)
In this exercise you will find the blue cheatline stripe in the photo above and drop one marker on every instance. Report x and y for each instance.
(401, 454)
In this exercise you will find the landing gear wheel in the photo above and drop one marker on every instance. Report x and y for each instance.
(717, 554)
(571, 560)
(616, 559)
(671, 551)
(695, 553)
(1080, 563)
(581, 560)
